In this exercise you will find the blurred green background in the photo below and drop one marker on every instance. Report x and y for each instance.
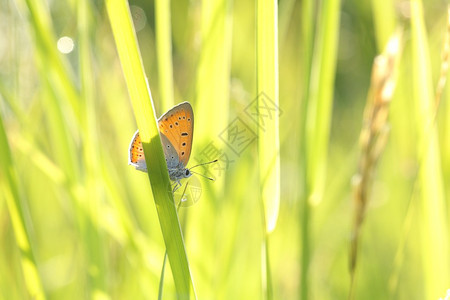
(90, 218)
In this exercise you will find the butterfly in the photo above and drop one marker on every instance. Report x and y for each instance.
(176, 128)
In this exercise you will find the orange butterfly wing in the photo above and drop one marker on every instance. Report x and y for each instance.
(177, 125)
(136, 156)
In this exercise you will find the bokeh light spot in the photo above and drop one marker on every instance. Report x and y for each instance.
(65, 45)
(139, 17)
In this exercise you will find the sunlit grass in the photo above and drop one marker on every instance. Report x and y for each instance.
(318, 97)
(434, 230)
(266, 112)
(140, 95)
(10, 188)
(164, 52)
(99, 229)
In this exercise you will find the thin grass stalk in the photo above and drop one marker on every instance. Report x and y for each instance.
(434, 231)
(65, 155)
(91, 156)
(163, 269)
(63, 121)
(321, 95)
(267, 275)
(267, 113)
(161, 277)
(10, 191)
(212, 84)
(131, 61)
(307, 43)
(318, 120)
(213, 75)
(267, 109)
(373, 139)
(63, 116)
(164, 52)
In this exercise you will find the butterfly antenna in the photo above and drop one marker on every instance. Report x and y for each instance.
(210, 178)
(206, 163)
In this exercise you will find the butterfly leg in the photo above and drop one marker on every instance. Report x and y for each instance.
(176, 186)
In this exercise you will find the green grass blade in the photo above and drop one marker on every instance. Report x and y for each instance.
(10, 191)
(164, 52)
(139, 91)
(307, 42)
(161, 278)
(268, 123)
(321, 95)
(91, 156)
(213, 76)
(384, 16)
(319, 107)
(434, 233)
(267, 89)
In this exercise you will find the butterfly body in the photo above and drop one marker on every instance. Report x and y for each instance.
(176, 128)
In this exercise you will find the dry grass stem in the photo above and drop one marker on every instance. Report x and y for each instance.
(373, 135)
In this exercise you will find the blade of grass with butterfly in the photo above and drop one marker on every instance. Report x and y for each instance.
(126, 43)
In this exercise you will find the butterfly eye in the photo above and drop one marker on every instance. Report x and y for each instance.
(187, 172)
